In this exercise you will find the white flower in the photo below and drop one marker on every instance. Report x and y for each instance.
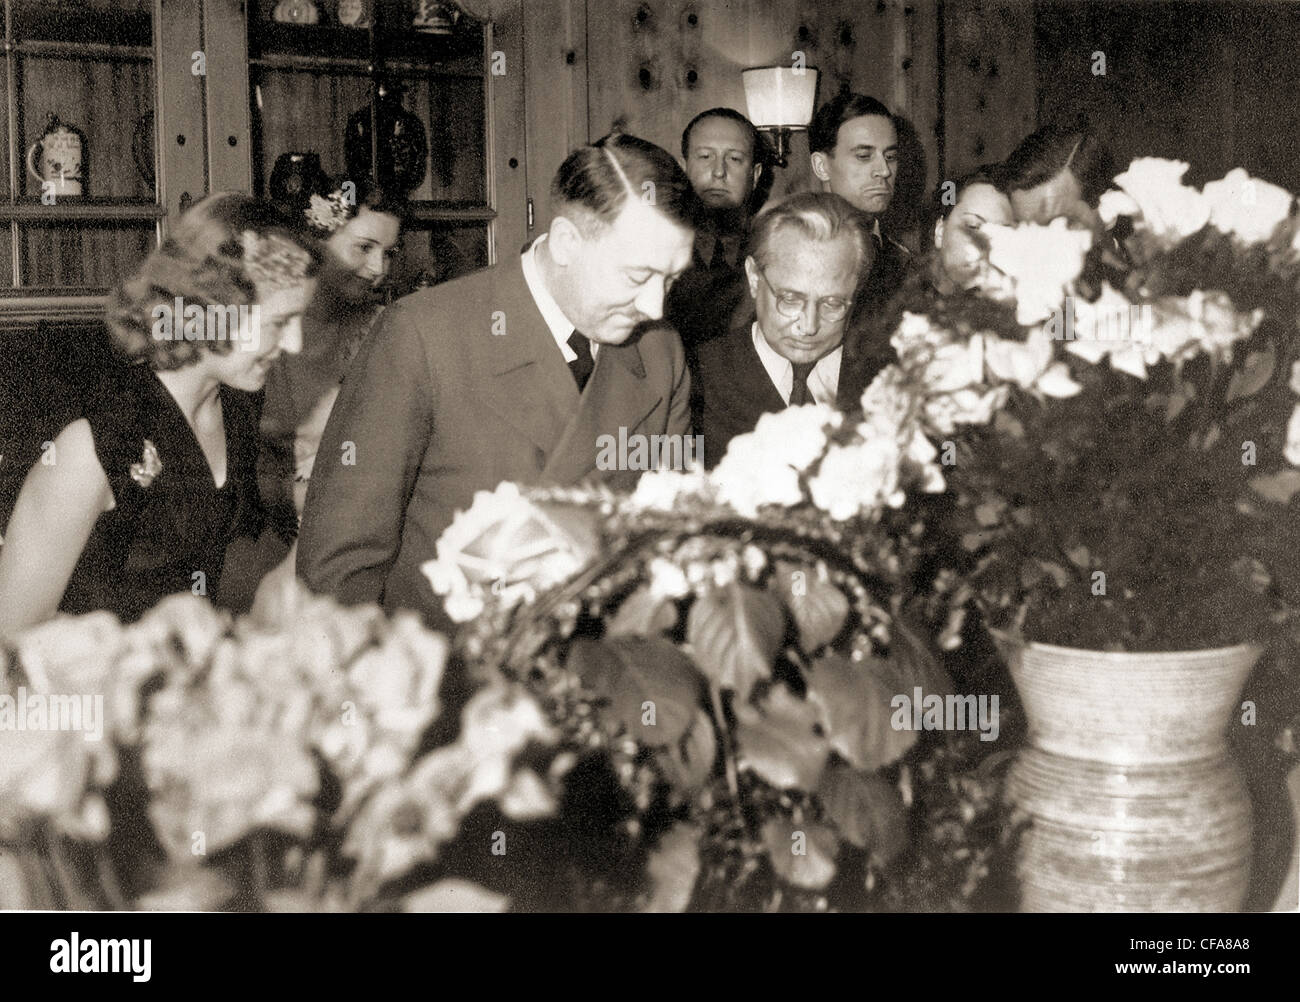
(1246, 207)
(660, 489)
(1168, 208)
(667, 580)
(956, 366)
(1041, 261)
(1291, 452)
(763, 466)
(858, 479)
(943, 412)
(1114, 204)
(1056, 381)
(1019, 362)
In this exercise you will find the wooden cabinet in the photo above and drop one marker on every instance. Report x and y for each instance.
(177, 98)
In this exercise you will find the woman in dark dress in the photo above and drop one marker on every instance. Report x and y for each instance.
(139, 497)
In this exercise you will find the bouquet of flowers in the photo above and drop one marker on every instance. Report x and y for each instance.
(726, 656)
(1132, 425)
(276, 762)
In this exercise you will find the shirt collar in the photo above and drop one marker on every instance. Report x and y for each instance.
(823, 381)
(561, 327)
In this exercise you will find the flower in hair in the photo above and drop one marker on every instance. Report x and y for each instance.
(328, 214)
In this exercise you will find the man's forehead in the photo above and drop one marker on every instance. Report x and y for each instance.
(796, 257)
(868, 130)
(718, 131)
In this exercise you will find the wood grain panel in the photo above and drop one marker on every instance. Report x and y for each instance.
(990, 81)
(555, 74)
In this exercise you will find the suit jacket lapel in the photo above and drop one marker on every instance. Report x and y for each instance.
(618, 395)
(520, 371)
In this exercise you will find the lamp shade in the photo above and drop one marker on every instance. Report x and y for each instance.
(780, 97)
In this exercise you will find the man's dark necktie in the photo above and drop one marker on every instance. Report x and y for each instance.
(799, 391)
(719, 259)
(582, 365)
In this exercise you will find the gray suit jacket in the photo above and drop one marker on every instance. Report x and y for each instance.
(458, 388)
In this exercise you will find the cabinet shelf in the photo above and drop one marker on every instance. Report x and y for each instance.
(330, 42)
(358, 67)
(32, 210)
(107, 52)
(68, 22)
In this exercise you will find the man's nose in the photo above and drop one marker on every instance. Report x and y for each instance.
(810, 318)
(650, 300)
(720, 169)
(291, 338)
(881, 168)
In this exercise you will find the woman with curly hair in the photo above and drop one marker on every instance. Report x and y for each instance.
(140, 496)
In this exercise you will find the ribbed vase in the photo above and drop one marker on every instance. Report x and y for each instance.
(1135, 801)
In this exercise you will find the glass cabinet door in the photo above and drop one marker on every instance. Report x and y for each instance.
(321, 73)
(79, 205)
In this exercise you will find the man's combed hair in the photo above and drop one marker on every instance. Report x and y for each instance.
(1059, 146)
(201, 263)
(824, 132)
(594, 182)
(816, 215)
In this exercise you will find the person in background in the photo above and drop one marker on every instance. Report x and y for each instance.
(359, 234)
(806, 259)
(962, 212)
(729, 166)
(144, 492)
(1060, 170)
(854, 144)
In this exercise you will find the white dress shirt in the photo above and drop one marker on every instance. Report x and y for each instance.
(822, 381)
(560, 325)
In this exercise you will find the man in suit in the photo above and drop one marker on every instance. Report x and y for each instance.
(854, 143)
(511, 373)
(807, 256)
(728, 164)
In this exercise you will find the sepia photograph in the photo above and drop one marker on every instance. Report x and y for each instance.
(605, 457)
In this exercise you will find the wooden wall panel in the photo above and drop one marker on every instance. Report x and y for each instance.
(651, 65)
(989, 80)
(555, 71)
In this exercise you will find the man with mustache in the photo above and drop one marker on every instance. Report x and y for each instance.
(807, 256)
(512, 373)
(854, 144)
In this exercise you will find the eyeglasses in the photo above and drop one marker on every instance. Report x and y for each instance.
(791, 305)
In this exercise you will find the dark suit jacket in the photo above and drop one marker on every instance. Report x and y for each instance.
(732, 390)
(458, 388)
(702, 301)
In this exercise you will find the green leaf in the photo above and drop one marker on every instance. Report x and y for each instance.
(735, 632)
(1253, 376)
(802, 853)
(651, 687)
(642, 614)
(778, 741)
(454, 896)
(818, 607)
(673, 867)
(688, 763)
(865, 808)
(853, 703)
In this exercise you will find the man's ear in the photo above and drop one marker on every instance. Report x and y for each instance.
(939, 226)
(820, 167)
(758, 172)
(751, 273)
(563, 240)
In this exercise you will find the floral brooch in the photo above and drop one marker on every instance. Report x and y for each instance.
(146, 471)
